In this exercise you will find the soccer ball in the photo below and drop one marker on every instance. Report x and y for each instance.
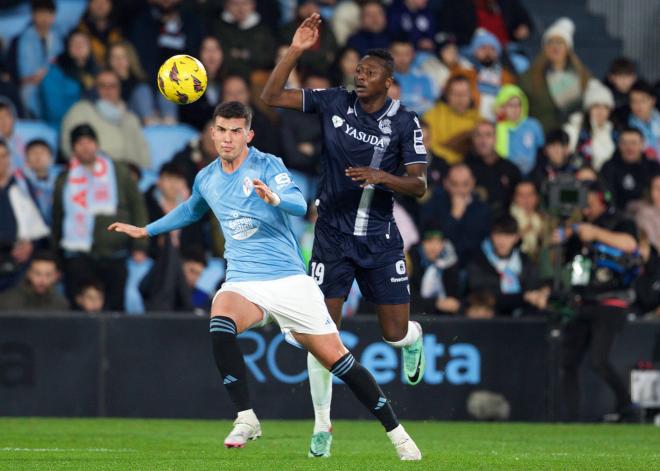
(182, 79)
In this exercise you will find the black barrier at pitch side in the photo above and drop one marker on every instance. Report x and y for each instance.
(162, 366)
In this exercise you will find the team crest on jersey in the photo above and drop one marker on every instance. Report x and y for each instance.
(248, 186)
(385, 126)
(337, 121)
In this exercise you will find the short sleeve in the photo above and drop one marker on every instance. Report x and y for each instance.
(317, 100)
(412, 142)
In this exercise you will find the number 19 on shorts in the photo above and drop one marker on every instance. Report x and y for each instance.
(317, 272)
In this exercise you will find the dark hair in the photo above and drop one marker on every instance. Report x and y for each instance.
(401, 38)
(385, 56)
(4, 143)
(481, 298)
(601, 190)
(170, 168)
(505, 224)
(528, 181)
(193, 254)
(621, 66)
(44, 256)
(631, 130)
(36, 143)
(90, 283)
(6, 105)
(233, 109)
(557, 136)
(42, 5)
(642, 86)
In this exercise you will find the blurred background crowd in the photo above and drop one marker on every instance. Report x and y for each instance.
(507, 104)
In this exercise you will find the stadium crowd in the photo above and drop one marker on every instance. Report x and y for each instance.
(499, 128)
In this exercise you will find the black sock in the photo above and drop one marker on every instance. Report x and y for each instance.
(365, 388)
(229, 360)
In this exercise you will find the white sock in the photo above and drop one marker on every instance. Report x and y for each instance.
(411, 336)
(397, 435)
(320, 385)
(248, 414)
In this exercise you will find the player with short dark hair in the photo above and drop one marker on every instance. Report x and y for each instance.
(252, 194)
(367, 137)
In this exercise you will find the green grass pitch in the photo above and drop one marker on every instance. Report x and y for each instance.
(102, 444)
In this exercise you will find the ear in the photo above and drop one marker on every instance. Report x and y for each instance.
(250, 136)
(388, 82)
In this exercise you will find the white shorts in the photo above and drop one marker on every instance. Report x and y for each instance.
(295, 302)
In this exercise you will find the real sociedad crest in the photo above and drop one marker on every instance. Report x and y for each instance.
(385, 126)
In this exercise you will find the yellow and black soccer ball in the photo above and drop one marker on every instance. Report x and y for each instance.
(182, 79)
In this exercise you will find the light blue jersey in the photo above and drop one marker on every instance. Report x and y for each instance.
(259, 243)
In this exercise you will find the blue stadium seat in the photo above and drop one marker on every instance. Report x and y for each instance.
(165, 141)
(28, 130)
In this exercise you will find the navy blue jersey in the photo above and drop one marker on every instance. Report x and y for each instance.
(354, 138)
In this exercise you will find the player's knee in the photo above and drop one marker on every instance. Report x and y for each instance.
(394, 333)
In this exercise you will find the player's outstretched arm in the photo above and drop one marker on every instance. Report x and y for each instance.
(128, 229)
(274, 93)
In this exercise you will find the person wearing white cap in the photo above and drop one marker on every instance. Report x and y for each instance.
(557, 78)
(592, 131)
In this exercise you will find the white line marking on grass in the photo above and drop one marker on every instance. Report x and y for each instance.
(93, 450)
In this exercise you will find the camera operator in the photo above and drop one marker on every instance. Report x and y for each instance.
(601, 294)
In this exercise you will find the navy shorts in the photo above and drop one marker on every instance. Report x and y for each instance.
(376, 262)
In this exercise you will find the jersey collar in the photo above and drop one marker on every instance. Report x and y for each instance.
(389, 109)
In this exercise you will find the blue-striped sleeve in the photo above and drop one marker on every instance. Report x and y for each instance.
(186, 213)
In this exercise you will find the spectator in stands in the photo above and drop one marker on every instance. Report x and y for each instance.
(91, 194)
(373, 28)
(557, 79)
(508, 20)
(495, 177)
(519, 137)
(170, 190)
(417, 92)
(9, 84)
(464, 218)
(197, 154)
(162, 29)
(480, 305)
(36, 47)
(555, 161)
(90, 296)
(628, 173)
(37, 291)
(433, 271)
(621, 76)
(302, 141)
(592, 135)
(321, 56)
(194, 263)
(501, 269)
(197, 114)
(532, 222)
(452, 120)
(266, 131)
(645, 117)
(69, 78)
(38, 176)
(119, 130)
(21, 224)
(447, 62)
(248, 44)
(647, 216)
(486, 71)
(99, 23)
(414, 20)
(343, 70)
(8, 135)
(136, 91)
